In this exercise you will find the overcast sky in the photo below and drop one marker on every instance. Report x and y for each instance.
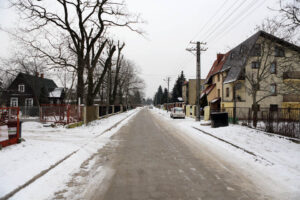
(171, 25)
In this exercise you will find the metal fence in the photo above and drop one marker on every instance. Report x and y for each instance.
(63, 114)
(282, 121)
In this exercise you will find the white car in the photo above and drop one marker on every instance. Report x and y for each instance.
(177, 112)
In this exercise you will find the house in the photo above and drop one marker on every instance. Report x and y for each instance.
(32, 90)
(263, 66)
(189, 91)
(214, 83)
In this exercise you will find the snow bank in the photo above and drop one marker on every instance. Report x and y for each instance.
(43, 147)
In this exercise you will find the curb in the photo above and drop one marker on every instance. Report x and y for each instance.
(42, 173)
(238, 147)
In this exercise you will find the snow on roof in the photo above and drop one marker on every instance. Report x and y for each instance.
(56, 93)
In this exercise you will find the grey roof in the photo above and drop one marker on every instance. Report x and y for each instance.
(237, 59)
(37, 83)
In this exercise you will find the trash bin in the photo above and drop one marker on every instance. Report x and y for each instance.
(219, 119)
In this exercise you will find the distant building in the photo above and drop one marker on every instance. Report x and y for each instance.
(189, 91)
(32, 90)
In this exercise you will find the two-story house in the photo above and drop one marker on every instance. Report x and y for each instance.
(189, 91)
(214, 82)
(260, 70)
(32, 90)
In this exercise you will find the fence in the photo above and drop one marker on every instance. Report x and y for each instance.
(282, 121)
(29, 112)
(63, 114)
(9, 126)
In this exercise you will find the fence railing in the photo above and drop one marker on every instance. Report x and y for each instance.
(282, 121)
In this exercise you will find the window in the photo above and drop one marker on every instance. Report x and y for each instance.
(279, 52)
(256, 51)
(219, 93)
(21, 88)
(218, 77)
(242, 49)
(29, 102)
(273, 68)
(273, 107)
(14, 102)
(273, 89)
(255, 65)
(232, 55)
(227, 92)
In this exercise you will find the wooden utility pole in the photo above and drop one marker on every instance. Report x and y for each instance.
(168, 79)
(198, 50)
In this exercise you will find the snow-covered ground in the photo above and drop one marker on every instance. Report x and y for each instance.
(44, 147)
(277, 161)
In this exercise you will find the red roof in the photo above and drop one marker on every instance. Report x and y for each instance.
(217, 66)
(208, 90)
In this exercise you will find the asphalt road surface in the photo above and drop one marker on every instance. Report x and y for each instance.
(153, 160)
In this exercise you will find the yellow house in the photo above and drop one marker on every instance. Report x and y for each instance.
(265, 67)
(189, 91)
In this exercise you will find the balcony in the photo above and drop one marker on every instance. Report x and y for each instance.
(291, 75)
(291, 98)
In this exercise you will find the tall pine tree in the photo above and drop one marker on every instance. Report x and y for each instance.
(177, 89)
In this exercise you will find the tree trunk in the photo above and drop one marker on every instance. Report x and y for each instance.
(255, 110)
(80, 80)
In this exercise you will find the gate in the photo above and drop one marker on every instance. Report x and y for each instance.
(9, 126)
(62, 114)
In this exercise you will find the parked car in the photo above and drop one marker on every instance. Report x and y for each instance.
(150, 107)
(177, 112)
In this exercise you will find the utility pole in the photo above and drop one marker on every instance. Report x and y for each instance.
(198, 50)
(168, 79)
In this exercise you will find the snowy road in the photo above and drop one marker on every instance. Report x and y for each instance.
(153, 160)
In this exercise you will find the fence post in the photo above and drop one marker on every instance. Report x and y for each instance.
(68, 114)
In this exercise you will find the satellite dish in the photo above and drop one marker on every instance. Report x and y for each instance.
(238, 86)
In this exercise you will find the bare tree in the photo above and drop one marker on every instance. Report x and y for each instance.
(84, 24)
(265, 76)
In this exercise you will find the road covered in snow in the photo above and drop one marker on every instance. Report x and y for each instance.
(45, 148)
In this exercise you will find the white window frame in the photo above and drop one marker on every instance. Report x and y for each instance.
(29, 100)
(14, 102)
(21, 88)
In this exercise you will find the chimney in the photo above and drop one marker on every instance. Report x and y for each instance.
(219, 57)
(42, 75)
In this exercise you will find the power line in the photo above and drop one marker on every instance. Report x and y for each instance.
(202, 28)
(225, 19)
(233, 25)
(232, 21)
(218, 20)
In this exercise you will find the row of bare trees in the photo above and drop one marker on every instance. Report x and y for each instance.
(71, 38)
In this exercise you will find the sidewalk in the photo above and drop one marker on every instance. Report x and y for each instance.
(44, 147)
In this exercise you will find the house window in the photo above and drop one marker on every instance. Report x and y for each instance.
(256, 51)
(218, 77)
(29, 102)
(255, 65)
(279, 52)
(14, 102)
(232, 55)
(273, 68)
(273, 107)
(273, 89)
(219, 92)
(227, 92)
(242, 49)
(21, 88)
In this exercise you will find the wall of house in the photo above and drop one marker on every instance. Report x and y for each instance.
(192, 91)
(270, 79)
(22, 96)
(185, 93)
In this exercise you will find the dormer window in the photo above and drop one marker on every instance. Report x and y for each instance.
(21, 88)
